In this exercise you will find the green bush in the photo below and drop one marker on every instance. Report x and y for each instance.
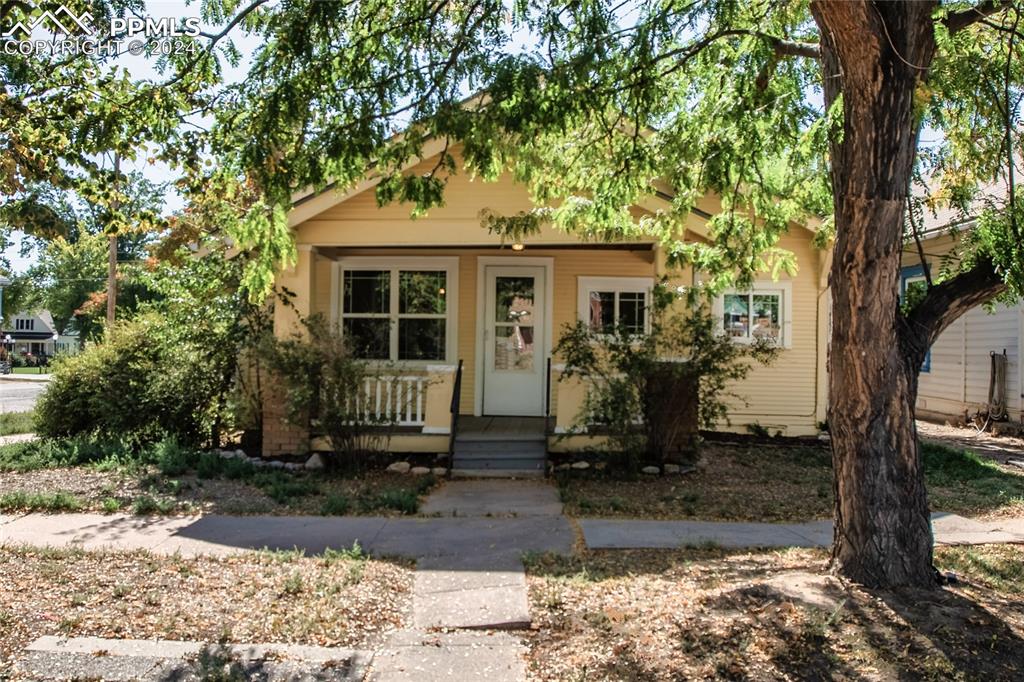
(142, 381)
(170, 457)
(20, 500)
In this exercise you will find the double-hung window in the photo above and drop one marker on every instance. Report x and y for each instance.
(762, 312)
(398, 309)
(608, 304)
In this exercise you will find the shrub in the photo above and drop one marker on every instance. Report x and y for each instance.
(650, 399)
(171, 458)
(140, 381)
(23, 501)
(146, 504)
(325, 387)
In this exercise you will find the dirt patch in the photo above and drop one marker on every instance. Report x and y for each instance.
(714, 615)
(340, 600)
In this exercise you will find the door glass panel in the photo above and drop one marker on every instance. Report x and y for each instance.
(367, 291)
(513, 347)
(421, 339)
(513, 300)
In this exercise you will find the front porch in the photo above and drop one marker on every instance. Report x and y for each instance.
(500, 312)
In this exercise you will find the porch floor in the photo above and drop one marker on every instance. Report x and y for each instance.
(500, 428)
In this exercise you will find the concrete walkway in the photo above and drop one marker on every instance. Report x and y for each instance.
(221, 535)
(949, 529)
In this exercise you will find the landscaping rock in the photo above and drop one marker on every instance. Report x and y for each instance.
(672, 468)
(562, 467)
(419, 471)
(315, 462)
(240, 454)
(399, 467)
(292, 466)
(581, 465)
(1016, 463)
(439, 471)
(651, 470)
(276, 464)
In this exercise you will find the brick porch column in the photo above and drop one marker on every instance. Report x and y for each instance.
(280, 436)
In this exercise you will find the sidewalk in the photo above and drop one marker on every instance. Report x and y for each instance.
(949, 529)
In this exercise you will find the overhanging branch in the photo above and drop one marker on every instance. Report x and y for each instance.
(958, 21)
(946, 302)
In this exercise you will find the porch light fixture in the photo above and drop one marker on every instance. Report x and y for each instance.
(518, 246)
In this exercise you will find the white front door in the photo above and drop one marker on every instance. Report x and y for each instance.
(514, 346)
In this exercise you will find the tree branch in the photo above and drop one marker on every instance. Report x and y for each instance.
(957, 21)
(946, 302)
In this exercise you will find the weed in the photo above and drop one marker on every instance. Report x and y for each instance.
(171, 458)
(146, 504)
(336, 504)
(110, 505)
(355, 553)
(21, 500)
(293, 584)
(397, 499)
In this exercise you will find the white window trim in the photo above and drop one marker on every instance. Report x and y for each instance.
(619, 285)
(447, 264)
(783, 287)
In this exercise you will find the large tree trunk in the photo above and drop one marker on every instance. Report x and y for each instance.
(874, 55)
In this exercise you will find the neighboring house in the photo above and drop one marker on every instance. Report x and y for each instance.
(957, 372)
(35, 333)
(429, 292)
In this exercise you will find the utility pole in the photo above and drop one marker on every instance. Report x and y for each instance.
(112, 253)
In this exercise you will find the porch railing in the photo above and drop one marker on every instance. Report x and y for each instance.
(396, 399)
(453, 429)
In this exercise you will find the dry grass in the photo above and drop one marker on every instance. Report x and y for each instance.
(784, 484)
(769, 616)
(343, 599)
(732, 483)
(270, 492)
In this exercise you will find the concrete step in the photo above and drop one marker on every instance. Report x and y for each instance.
(500, 447)
(500, 437)
(497, 473)
(492, 463)
(511, 454)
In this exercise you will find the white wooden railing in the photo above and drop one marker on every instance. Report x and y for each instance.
(398, 399)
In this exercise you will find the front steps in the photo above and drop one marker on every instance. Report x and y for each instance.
(505, 456)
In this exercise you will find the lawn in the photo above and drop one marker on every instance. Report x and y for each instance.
(15, 422)
(30, 370)
(709, 614)
(783, 483)
(338, 599)
(86, 475)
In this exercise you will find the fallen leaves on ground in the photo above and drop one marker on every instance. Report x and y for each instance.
(266, 597)
(709, 614)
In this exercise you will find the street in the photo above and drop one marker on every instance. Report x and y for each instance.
(19, 396)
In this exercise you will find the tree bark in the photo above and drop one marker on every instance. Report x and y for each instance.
(874, 55)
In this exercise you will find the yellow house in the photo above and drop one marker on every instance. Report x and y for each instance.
(498, 310)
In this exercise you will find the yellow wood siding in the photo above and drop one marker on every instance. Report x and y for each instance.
(786, 395)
